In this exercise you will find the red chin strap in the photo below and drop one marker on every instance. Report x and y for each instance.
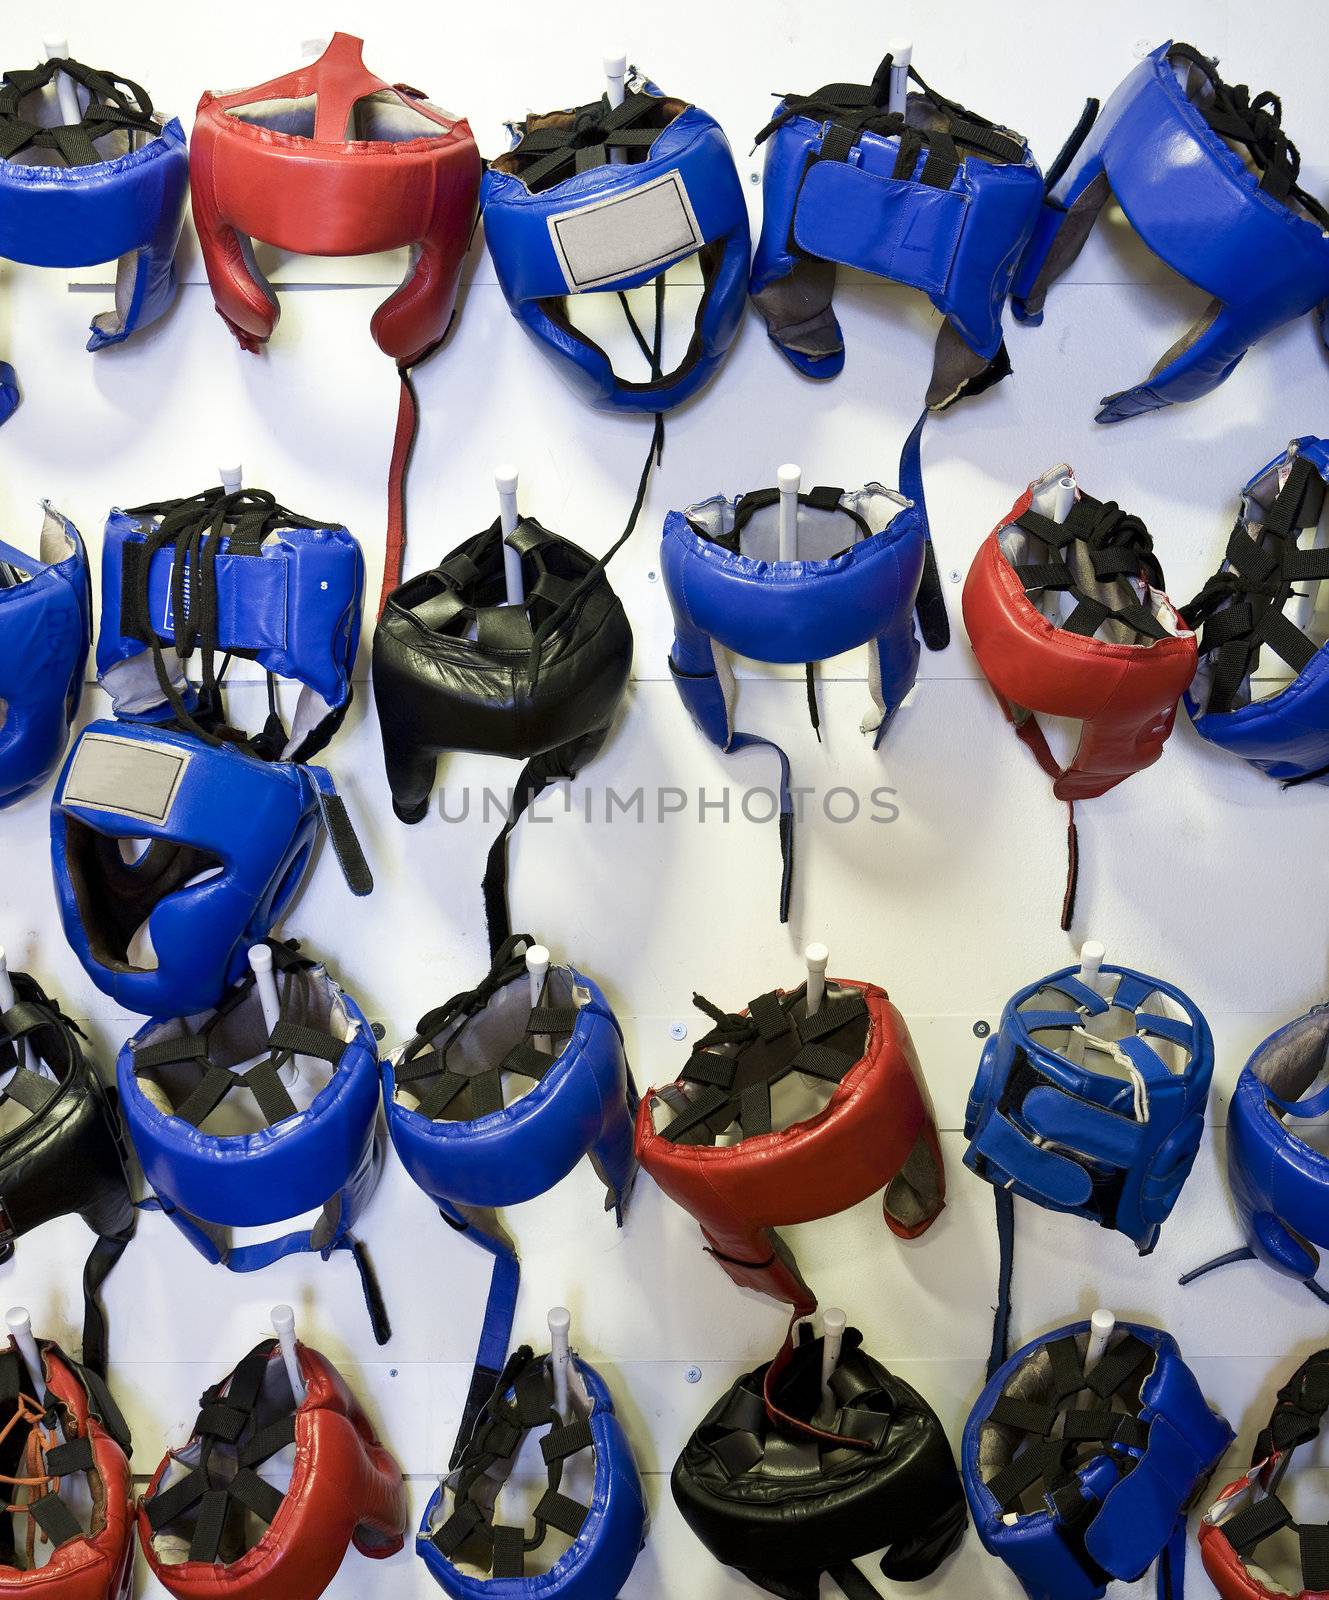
(330, 194)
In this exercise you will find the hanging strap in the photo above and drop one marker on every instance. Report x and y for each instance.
(933, 622)
(1001, 1321)
(114, 105)
(403, 447)
(482, 1227)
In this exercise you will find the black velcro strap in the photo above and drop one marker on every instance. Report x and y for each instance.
(833, 1013)
(1025, 1415)
(263, 1499)
(1254, 1523)
(302, 1041)
(561, 1513)
(560, 1443)
(168, 1504)
(268, 1441)
(75, 1455)
(345, 844)
(1314, 1556)
(509, 1547)
(30, 1090)
(207, 1094)
(769, 1016)
(263, 1080)
(457, 1529)
(822, 1061)
(210, 1526)
(55, 1519)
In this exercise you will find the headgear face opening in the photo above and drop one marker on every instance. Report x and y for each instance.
(109, 187)
(1208, 179)
(605, 199)
(45, 634)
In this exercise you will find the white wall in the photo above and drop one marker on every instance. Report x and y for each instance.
(1197, 870)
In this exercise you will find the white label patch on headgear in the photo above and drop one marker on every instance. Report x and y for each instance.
(124, 776)
(625, 234)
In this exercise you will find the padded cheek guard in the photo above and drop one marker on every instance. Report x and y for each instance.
(69, 1533)
(1070, 620)
(211, 1526)
(1250, 1510)
(1208, 179)
(215, 1165)
(110, 187)
(68, 1153)
(229, 839)
(1076, 1479)
(1090, 1103)
(601, 1535)
(1251, 604)
(455, 668)
(45, 633)
(785, 1497)
(561, 219)
(237, 574)
(861, 1121)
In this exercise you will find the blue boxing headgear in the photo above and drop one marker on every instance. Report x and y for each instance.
(1208, 179)
(110, 187)
(1089, 1103)
(228, 841)
(471, 1146)
(861, 555)
(1078, 1478)
(230, 572)
(1244, 609)
(561, 219)
(1280, 1181)
(45, 631)
(209, 1105)
(587, 1547)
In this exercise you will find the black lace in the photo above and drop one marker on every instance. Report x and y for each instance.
(115, 105)
(1119, 546)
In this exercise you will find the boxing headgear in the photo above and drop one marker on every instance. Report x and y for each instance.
(1070, 619)
(1279, 1180)
(562, 218)
(455, 668)
(471, 1143)
(68, 1528)
(1250, 1510)
(210, 1108)
(238, 574)
(854, 582)
(229, 840)
(211, 1526)
(109, 187)
(1077, 1478)
(330, 160)
(857, 1119)
(1245, 607)
(68, 1153)
(1208, 179)
(1089, 1100)
(586, 1547)
(45, 632)
(786, 1497)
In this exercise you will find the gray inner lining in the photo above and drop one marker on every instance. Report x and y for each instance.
(821, 534)
(384, 117)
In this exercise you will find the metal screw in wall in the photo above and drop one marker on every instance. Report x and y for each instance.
(678, 1030)
(693, 1375)
(982, 1029)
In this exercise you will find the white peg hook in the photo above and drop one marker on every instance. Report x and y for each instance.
(560, 1354)
(537, 970)
(1092, 956)
(616, 70)
(260, 964)
(26, 1054)
(19, 1324)
(817, 957)
(283, 1325)
(901, 54)
(789, 477)
(833, 1326)
(1055, 498)
(505, 481)
(66, 90)
(232, 478)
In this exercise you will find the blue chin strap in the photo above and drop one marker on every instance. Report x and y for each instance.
(562, 218)
(1078, 1478)
(173, 1075)
(1089, 1104)
(228, 840)
(1208, 179)
(862, 555)
(470, 1151)
(1245, 608)
(1279, 1181)
(110, 187)
(45, 632)
(237, 574)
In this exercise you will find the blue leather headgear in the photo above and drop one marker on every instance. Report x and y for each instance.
(470, 1151)
(1071, 1512)
(109, 187)
(214, 1166)
(1243, 609)
(238, 574)
(45, 631)
(561, 219)
(856, 583)
(1279, 1181)
(1208, 179)
(229, 840)
(1089, 1104)
(603, 1533)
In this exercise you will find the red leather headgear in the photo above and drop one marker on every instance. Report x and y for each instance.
(1113, 652)
(876, 1129)
(330, 160)
(345, 1488)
